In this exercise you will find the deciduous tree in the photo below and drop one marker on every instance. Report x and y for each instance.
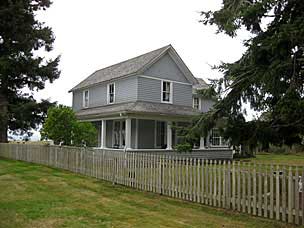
(61, 126)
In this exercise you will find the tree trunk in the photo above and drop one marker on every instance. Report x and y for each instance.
(3, 118)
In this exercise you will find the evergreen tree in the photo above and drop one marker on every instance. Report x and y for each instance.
(21, 67)
(269, 75)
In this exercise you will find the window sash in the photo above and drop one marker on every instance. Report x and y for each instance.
(196, 102)
(111, 93)
(166, 91)
(166, 96)
(216, 138)
(111, 88)
(119, 133)
(111, 97)
(85, 98)
(166, 87)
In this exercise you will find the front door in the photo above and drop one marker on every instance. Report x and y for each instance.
(119, 127)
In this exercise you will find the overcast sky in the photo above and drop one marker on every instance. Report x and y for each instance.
(94, 34)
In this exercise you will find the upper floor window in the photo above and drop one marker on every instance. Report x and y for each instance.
(111, 93)
(85, 102)
(166, 93)
(196, 103)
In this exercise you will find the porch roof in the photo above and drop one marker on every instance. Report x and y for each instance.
(138, 107)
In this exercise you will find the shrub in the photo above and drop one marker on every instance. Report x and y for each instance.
(185, 147)
(61, 125)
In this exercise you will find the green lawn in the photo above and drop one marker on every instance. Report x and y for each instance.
(283, 159)
(38, 196)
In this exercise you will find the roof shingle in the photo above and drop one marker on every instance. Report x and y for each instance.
(138, 107)
(201, 84)
(128, 67)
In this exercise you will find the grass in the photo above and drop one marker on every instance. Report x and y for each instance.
(282, 159)
(37, 196)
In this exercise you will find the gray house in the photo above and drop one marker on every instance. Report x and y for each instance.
(135, 102)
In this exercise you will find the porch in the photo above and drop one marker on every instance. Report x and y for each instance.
(147, 134)
(146, 127)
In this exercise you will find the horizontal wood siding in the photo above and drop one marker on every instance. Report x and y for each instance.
(182, 94)
(98, 96)
(125, 91)
(149, 90)
(166, 68)
(77, 100)
(206, 105)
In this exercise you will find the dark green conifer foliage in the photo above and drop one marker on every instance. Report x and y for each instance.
(269, 75)
(21, 67)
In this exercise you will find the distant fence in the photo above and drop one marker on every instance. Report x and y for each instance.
(210, 153)
(263, 190)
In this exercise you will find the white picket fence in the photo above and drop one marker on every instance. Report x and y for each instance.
(268, 191)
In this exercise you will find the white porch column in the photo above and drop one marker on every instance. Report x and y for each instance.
(202, 143)
(128, 133)
(103, 134)
(169, 136)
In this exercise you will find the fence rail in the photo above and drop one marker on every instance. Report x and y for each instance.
(268, 191)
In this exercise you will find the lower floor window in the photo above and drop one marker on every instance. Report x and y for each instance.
(160, 134)
(216, 139)
(119, 134)
(195, 102)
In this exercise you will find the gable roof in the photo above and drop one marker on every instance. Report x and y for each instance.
(201, 84)
(134, 66)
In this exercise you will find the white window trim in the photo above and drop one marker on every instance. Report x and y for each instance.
(120, 132)
(108, 93)
(171, 92)
(159, 79)
(222, 142)
(199, 103)
(83, 99)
